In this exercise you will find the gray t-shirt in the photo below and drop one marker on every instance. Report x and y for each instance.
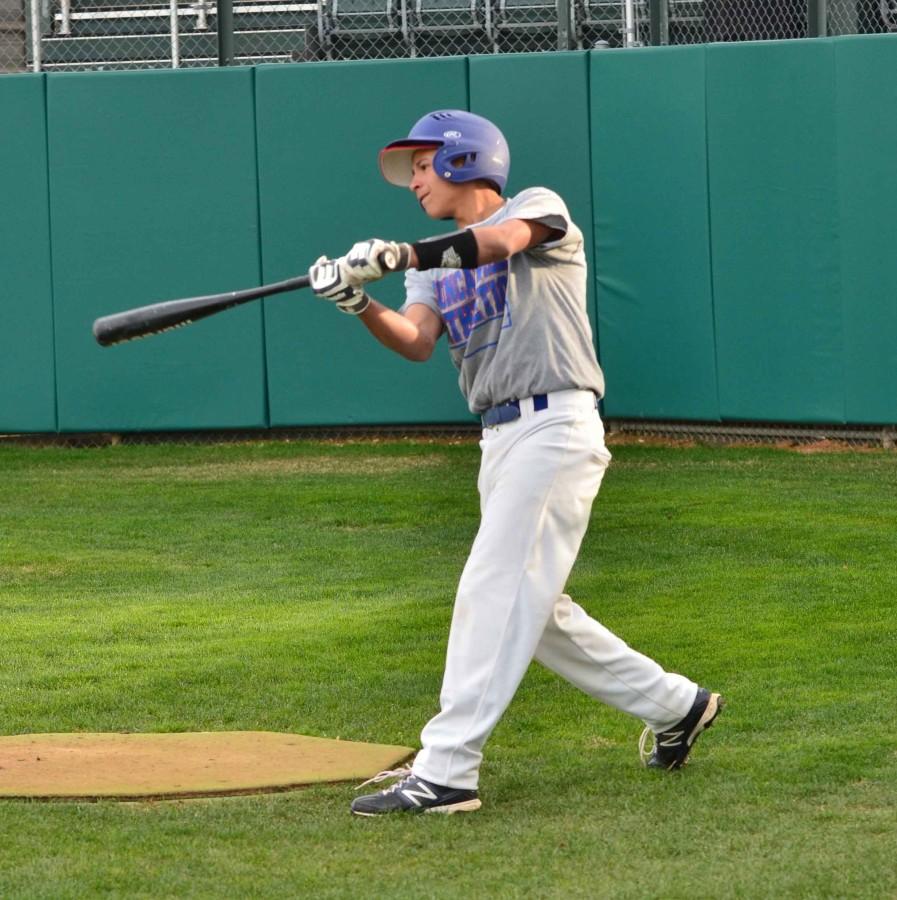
(517, 327)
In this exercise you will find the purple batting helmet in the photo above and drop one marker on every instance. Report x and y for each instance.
(467, 147)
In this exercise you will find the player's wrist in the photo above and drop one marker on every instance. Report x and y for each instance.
(355, 305)
(458, 250)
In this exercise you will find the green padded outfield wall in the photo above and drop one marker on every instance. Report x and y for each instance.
(649, 171)
(547, 129)
(27, 379)
(866, 128)
(320, 128)
(773, 175)
(741, 198)
(154, 196)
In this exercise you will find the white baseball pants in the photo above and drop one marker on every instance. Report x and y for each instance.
(538, 477)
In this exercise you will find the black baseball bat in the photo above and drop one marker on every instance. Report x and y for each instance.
(145, 320)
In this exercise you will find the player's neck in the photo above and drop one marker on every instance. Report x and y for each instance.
(476, 205)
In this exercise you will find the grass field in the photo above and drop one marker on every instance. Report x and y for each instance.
(308, 587)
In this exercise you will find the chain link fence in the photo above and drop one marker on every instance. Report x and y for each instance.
(805, 438)
(125, 34)
(72, 35)
(819, 437)
(692, 22)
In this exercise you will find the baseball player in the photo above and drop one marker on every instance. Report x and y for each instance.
(508, 291)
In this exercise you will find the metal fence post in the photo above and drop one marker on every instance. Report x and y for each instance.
(630, 29)
(817, 18)
(175, 35)
(564, 23)
(65, 22)
(660, 22)
(34, 12)
(225, 32)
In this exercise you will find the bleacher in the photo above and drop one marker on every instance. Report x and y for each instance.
(136, 34)
(96, 34)
(123, 34)
(12, 36)
(350, 29)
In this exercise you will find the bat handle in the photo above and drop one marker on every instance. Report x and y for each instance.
(396, 257)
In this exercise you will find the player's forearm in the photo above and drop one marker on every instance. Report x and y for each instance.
(396, 332)
(494, 244)
(474, 247)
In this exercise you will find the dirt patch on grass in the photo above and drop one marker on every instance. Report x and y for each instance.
(450, 439)
(622, 439)
(297, 466)
(197, 469)
(16, 572)
(163, 766)
(827, 446)
(823, 445)
(597, 742)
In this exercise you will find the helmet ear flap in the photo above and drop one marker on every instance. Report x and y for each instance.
(450, 162)
(442, 163)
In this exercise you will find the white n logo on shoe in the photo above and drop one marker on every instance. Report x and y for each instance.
(672, 739)
(419, 790)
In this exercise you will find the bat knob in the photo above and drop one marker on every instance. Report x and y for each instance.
(396, 257)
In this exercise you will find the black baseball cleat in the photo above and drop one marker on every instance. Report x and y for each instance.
(671, 747)
(413, 794)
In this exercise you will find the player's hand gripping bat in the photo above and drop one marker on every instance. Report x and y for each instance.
(158, 317)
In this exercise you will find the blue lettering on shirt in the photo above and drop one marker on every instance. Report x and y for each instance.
(470, 299)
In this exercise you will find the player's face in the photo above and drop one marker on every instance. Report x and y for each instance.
(436, 196)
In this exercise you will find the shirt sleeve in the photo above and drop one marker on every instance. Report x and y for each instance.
(547, 208)
(419, 288)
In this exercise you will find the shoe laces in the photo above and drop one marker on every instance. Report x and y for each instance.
(645, 751)
(401, 774)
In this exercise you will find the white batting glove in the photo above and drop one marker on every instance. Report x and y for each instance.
(365, 261)
(328, 279)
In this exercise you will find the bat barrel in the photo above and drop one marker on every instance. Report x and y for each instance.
(114, 329)
(134, 323)
(157, 317)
